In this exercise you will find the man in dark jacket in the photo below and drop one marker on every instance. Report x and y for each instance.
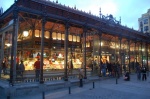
(144, 70)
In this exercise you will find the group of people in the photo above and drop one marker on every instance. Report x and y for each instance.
(141, 72)
(20, 68)
(113, 69)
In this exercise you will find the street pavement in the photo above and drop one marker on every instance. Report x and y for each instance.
(104, 88)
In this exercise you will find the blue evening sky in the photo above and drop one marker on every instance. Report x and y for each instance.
(128, 10)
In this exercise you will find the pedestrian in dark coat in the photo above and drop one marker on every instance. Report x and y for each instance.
(21, 68)
(144, 70)
(81, 77)
(109, 67)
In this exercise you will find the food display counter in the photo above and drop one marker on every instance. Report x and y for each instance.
(50, 63)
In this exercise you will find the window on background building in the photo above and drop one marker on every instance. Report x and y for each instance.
(141, 29)
(145, 28)
(145, 21)
(141, 24)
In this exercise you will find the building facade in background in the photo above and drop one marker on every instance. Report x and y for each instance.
(144, 22)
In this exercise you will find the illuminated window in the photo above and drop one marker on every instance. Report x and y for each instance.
(74, 39)
(63, 37)
(59, 36)
(88, 44)
(78, 39)
(70, 37)
(37, 33)
(54, 35)
(46, 35)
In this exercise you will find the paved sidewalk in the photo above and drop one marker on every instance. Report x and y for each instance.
(108, 89)
(104, 89)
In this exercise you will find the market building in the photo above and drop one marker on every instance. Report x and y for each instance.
(66, 38)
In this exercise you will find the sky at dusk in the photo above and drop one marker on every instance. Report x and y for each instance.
(128, 10)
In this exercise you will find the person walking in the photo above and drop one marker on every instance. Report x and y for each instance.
(37, 69)
(144, 70)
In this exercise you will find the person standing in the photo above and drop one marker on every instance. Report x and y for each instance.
(138, 70)
(103, 68)
(21, 68)
(144, 70)
(4, 66)
(109, 67)
(37, 69)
